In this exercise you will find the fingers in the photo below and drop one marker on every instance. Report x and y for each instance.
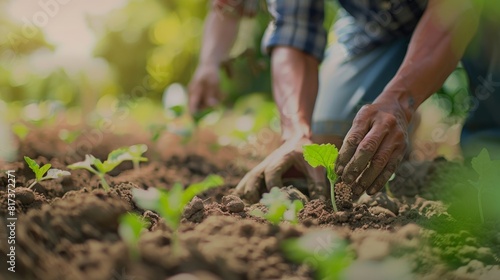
(372, 150)
(366, 151)
(250, 187)
(194, 97)
(353, 138)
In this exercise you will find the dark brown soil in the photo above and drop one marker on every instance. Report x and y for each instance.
(68, 229)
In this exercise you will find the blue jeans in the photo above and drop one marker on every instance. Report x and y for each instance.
(347, 83)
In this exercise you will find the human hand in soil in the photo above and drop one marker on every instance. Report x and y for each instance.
(269, 173)
(374, 146)
(204, 88)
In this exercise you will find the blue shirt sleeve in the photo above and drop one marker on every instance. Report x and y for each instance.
(297, 24)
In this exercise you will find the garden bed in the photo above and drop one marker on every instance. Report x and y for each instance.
(68, 228)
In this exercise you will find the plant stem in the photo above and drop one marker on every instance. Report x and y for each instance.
(175, 244)
(332, 194)
(32, 184)
(136, 165)
(104, 184)
(480, 202)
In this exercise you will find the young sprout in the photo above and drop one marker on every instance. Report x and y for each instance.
(99, 168)
(20, 130)
(40, 171)
(488, 171)
(170, 204)
(323, 250)
(68, 136)
(136, 152)
(324, 155)
(280, 208)
(130, 229)
(387, 187)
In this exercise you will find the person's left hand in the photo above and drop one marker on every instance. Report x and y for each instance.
(374, 146)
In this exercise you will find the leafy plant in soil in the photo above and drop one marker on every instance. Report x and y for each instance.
(41, 170)
(324, 155)
(100, 168)
(170, 204)
(488, 181)
(323, 251)
(130, 229)
(280, 208)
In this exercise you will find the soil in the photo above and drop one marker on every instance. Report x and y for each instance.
(68, 228)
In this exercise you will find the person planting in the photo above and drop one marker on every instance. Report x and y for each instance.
(390, 57)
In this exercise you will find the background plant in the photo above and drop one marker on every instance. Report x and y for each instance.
(170, 204)
(130, 229)
(324, 251)
(279, 207)
(100, 168)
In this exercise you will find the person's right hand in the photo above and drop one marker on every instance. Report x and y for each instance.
(269, 173)
(204, 88)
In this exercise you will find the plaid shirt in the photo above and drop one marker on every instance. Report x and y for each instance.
(363, 25)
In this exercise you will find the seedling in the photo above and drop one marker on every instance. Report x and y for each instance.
(136, 152)
(487, 170)
(324, 155)
(387, 187)
(69, 136)
(280, 208)
(323, 250)
(170, 204)
(130, 229)
(40, 171)
(99, 168)
(20, 130)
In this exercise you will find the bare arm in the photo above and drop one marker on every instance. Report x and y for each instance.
(377, 139)
(221, 29)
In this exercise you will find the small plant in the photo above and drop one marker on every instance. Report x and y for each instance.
(136, 152)
(323, 250)
(280, 208)
(130, 229)
(324, 155)
(69, 136)
(40, 171)
(387, 187)
(488, 171)
(170, 204)
(20, 130)
(99, 168)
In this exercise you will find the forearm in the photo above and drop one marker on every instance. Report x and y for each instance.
(219, 35)
(437, 45)
(295, 86)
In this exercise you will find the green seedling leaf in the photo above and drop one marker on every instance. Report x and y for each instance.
(130, 229)
(323, 250)
(170, 204)
(324, 155)
(56, 173)
(85, 164)
(489, 176)
(68, 136)
(279, 207)
(40, 171)
(198, 116)
(20, 130)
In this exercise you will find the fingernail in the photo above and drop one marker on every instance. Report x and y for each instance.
(339, 169)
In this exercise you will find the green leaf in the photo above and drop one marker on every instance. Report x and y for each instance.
(32, 165)
(56, 173)
(211, 181)
(42, 171)
(85, 164)
(327, 250)
(131, 226)
(322, 155)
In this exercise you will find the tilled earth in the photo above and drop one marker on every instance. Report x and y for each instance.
(68, 229)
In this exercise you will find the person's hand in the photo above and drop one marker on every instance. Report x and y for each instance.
(373, 147)
(269, 172)
(204, 88)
